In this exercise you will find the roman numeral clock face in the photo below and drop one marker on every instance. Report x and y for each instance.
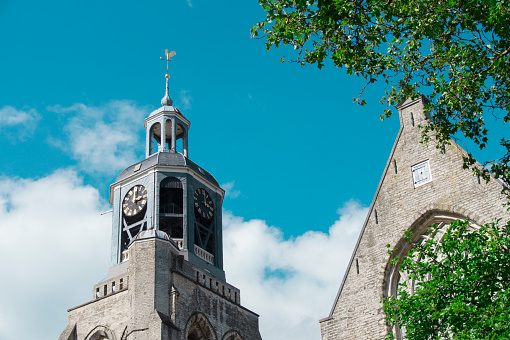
(203, 204)
(135, 201)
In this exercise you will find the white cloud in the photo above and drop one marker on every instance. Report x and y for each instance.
(185, 99)
(54, 247)
(25, 121)
(229, 190)
(290, 283)
(189, 3)
(104, 139)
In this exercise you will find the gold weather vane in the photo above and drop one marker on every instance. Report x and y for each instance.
(168, 56)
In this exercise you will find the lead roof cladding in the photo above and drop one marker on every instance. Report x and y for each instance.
(166, 158)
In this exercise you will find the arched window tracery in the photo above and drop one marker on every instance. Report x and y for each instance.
(232, 335)
(199, 328)
(100, 333)
(421, 231)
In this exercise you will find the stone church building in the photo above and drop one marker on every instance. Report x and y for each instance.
(419, 187)
(166, 280)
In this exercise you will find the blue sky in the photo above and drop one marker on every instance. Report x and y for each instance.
(270, 127)
(300, 162)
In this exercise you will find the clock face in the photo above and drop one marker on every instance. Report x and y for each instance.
(203, 204)
(134, 201)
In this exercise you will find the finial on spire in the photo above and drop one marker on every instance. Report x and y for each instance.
(167, 101)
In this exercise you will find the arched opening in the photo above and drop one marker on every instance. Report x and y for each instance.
(232, 335)
(199, 328)
(100, 333)
(193, 336)
(168, 134)
(154, 138)
(171, 209)
(180, 133)
(421, 232)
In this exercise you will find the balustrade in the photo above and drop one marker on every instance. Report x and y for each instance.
(204, 255)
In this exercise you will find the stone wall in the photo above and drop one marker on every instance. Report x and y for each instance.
(167, 298)
(111, 311)
(397, 206)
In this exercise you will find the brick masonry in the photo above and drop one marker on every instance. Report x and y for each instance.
(398, 205)
(163, 297)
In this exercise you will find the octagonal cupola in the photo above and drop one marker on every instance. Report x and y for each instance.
(166, 128)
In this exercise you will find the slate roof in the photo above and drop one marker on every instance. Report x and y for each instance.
(166, 158)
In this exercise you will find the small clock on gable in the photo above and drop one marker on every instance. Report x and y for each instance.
(421, 173)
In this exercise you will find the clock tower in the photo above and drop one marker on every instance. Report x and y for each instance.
(166, 279)
(168, 192)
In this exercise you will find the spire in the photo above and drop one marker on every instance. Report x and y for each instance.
(166, 100)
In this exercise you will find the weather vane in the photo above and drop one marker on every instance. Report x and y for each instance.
(168, 56)
(167, 101)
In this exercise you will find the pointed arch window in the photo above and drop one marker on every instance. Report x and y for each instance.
(199, 328)
(100, 333)
(395, 276)
(232, 335)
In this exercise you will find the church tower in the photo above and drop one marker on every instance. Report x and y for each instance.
(166, 279)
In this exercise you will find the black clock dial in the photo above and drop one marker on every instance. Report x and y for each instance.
(134, 201)
(203, 204)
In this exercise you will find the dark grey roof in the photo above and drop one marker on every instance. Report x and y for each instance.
(166, 158)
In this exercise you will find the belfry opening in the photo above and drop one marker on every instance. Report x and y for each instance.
(171, 209)
(167, 135)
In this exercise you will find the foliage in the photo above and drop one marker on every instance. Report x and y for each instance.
(456, 52)
(462, 285)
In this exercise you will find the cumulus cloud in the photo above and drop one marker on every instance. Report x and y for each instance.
(189, 3)
(24, 121)
(54, 247)
(291, 283)
(106, 138)
(185, 98)
(229, 190)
